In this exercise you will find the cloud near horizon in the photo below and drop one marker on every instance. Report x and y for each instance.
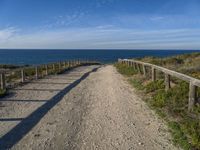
(101, 37)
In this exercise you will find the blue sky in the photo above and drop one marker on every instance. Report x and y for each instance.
(102, 24)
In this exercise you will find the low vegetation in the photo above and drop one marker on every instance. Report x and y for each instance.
(125, 70)
(171, 105)
(185, 63)
(3, 66)
(2, 93)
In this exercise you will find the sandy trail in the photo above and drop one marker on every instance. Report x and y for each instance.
(98, 111)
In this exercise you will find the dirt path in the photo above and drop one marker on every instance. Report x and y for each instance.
(66, 112)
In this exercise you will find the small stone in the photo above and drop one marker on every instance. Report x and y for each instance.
(140, 143)
(36, 135)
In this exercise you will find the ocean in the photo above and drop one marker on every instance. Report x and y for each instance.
(35, 57)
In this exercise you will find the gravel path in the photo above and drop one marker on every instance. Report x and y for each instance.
(83, 109)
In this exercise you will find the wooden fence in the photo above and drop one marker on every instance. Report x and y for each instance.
(11, 78)
(142, 67)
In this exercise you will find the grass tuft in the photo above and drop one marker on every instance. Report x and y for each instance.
(179, 137)
(2, 93)
(125, 70)
(153, 86)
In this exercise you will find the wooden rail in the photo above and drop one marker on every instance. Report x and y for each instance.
(193, 83)
(12, 77)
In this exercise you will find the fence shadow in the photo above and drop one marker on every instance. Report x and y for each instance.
(20, 130)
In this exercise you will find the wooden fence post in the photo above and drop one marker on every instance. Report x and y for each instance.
(135, 66)
(60, 67)
(131, 64)
(153, 74)
(36, 72)
(144, 70)
(54, 68)
(192, 96)
(47, 72)
(75, 62)
(140, 71)
(65, 64)
(22, 76)
(70, 63)
(3, 81)
(167, 82)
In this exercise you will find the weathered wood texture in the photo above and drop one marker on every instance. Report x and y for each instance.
(23, 76)
(36, 72)
(47, 69)
(3, 81)
(193, 82)
(40, 71)
(167, 82)
(144, 70)
(153, 74)
(192, 96)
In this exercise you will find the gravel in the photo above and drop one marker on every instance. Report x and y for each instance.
(80, 110)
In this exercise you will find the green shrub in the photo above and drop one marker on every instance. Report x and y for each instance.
(159, 99)
(125, 69)
(177, 98)
(2, 93)
(174, 60)
(137, 83)
(6, 66)
(191, 127)
(154, 85)
(179, 138)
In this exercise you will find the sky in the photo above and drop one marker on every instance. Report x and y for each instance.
(100, 24)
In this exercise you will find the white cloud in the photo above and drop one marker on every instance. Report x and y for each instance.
(65, 20)
(156, 18)
(101, 3)
(7, 33)
(104, 37)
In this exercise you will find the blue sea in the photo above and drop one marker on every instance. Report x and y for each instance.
(34, 57)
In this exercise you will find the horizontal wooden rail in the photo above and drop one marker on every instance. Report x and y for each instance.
(38, 71)
(193, 82)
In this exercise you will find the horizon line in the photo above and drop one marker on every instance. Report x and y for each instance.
(96, 49)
